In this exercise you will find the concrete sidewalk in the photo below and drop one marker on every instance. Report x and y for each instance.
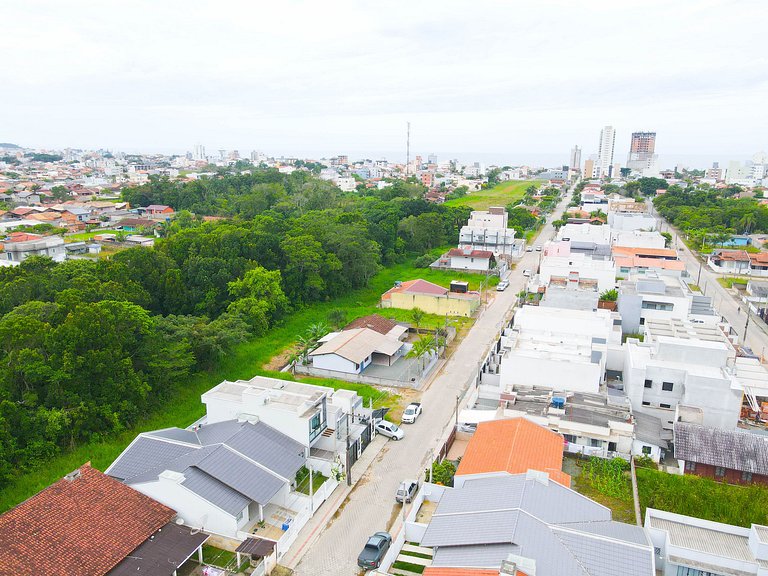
(327, 512)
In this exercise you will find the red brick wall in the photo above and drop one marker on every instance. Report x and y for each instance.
(731, 476)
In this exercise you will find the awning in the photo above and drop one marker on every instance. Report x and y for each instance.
(260, 547)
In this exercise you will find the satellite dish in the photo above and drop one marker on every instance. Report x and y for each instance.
(179, 521)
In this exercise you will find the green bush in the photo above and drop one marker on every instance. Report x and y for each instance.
(424, 261)
(703, 498)
(608, 477)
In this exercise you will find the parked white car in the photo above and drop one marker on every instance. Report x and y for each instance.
(412, 411)
(501, 286)
(390, 429)
(527, 273)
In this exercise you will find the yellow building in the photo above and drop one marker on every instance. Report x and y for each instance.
(431, 298)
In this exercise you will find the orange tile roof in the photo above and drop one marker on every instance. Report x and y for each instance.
(417, 287)
(639, 261)
(731, 255)
(514, 445)
(632, 251)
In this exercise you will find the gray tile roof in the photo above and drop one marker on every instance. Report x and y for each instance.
(218, 493)
(564, 532)
(226, 463)
(144, 453)
(731, 449)
(241, 474)
(270, 448)
(480, 556)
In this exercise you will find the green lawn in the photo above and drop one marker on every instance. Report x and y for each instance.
(244, 362)
(83, 236)
(500, 195)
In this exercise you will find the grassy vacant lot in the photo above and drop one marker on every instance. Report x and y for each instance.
(83, 236)
(500, 195)
(703, 498)
(246, 361)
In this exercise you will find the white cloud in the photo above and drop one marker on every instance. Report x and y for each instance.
(494, 77)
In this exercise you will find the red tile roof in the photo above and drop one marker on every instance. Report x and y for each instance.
(648, 252)
(23, 237)
(417, 287)
(470, 253)
(731, 255)
(82, 526)
(514, 445)
(374, 322)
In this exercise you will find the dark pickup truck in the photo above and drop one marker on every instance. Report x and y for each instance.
(374, 551)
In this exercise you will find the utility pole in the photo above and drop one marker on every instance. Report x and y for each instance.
(311, 491)
(457, 410)
(698, 278)
(408, 150)
(746, 325)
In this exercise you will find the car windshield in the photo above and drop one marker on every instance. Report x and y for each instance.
(373, 542)
(410, 410)
(394, 427)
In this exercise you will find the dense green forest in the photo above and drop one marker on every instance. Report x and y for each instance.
(87, 347)
(711, 216)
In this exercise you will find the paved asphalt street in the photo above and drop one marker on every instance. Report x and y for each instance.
(371, 505)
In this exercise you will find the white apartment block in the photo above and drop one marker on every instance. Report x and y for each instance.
(585, 234)
(576, 268)
(487, 230)
(556, 348)
(628, 221)
(638, 238)
(651, 297)
(684, 364)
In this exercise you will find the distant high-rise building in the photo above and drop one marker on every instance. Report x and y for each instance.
(605, 152)
(432, 159)
(641, 150)
(589, 168)
(575, 158)
(199, 152)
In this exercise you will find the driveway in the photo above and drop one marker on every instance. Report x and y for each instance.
(371, 505)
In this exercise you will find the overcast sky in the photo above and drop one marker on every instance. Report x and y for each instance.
(507, 79)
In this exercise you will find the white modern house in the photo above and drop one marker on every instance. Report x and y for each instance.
(687, 546)
(629, 221)
(685, 364)
(651, 297)
(587, 238)
(556, 348)
(469, 258)
(317, 417)
(487, 230)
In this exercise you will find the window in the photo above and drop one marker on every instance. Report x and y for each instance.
(646, 403)
(570, 438)
(665, 406)
(595, 443)
(719, 471)
(240, 515)
(690, 466)
(649, 383)
(611, 446)
(746, 476)
(667, 386)
(647, 450)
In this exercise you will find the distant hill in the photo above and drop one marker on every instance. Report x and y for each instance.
(8, 145)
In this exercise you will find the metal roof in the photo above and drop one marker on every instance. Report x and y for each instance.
(479, 556)
(707, 540)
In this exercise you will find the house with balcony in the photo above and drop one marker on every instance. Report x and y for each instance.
(319, 418)
(21, 246)
(488, 230)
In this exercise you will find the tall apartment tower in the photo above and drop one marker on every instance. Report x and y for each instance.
(641, 150)
(604, 165)
(575, 164)
(199, 152)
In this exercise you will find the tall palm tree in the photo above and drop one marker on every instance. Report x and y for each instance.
(421, 348)
(747, 221)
